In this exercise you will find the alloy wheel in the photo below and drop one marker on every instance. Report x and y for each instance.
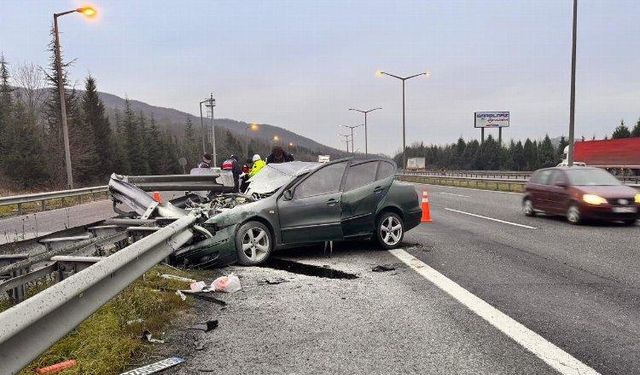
(391, 231)
(255, 244)
(573, 215)
(527, 207)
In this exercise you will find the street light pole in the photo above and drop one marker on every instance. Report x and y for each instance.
(366, 150)
(352, 127)
(89, 12)
(404, 138)
(572, 104)
(346, 140)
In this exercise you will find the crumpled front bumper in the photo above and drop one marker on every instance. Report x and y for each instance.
(218, 251)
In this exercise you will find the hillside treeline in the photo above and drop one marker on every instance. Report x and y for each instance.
(31, 139)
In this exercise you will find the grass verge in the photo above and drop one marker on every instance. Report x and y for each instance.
(105, 343)
(469, 183)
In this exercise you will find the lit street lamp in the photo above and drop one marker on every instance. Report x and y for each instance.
(366, 150)
(87, 12)
(352, 127)
(276, 139)
(403, 79)
(252, 127)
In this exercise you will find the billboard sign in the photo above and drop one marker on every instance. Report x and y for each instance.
(491, 119)
(415, 163)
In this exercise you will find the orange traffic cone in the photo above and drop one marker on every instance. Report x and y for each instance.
(157, 197)
(426, 212)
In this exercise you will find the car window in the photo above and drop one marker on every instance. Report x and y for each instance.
(360, 175)
(386, 169)
(592, 177)
(558, 178)
(541, 177)
(325, 180)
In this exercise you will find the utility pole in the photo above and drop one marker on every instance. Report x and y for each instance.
(572, 103)
(211, 103)
(204, 147)
(346, 140)
(366, 149)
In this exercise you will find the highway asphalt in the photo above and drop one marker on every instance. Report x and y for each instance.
(574, 288)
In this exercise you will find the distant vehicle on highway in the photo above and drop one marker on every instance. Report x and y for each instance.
(621, 156)
(580, 193)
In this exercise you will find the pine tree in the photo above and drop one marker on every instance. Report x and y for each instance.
(95, 117)
(621, 131)
(636, 130)
(519, 161)
(546, 153)
(132, 142)
(190, 149)
(530, 151)
(144, 144)
(154, 147)
(121, 158)
(560, 150)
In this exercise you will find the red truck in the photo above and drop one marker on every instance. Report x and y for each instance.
(616, 155)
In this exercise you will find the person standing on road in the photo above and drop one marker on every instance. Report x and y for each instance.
(258, 164)
(232, 164)
(278, 155)
(206, 161)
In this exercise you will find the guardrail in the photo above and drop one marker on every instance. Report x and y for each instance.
(32, 326)
(474, 179)
(516, 175)
(19, 200)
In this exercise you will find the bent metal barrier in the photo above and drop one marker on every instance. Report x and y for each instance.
(32, 326)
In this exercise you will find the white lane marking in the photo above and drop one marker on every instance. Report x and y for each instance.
(555, 357)
(490, 218)
(455, 195)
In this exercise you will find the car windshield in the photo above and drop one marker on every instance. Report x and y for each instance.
(274, 176)
(592, 177)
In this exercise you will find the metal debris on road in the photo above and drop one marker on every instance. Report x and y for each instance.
(155, 367)
(206, 326)
(383, 268)
(274, 281)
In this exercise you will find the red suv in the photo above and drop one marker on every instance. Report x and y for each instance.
(580, 193)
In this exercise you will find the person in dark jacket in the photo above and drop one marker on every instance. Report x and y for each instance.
(232, 164)
(278, 155)
(206, 161)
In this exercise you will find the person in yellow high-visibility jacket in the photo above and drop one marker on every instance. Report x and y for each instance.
(258, 164)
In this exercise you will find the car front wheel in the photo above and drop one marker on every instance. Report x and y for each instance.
(573, 215)
(253, 243)
(527, 207)
(389, 230)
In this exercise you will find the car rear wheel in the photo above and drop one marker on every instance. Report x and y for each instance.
(573, 215)
(253, 243)
(389, 230)
(527, 207)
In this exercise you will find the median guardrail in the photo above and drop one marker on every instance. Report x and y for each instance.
(473, 179)
(32, 326)
(42, 198)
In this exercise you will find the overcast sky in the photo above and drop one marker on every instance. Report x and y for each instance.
(302, 64)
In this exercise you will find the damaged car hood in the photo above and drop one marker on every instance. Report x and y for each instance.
(274, 176)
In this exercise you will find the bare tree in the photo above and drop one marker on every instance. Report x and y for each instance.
(31, 93)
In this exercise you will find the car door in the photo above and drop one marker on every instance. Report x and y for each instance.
(313, 212)
(538, 189)
(360, 196)
(557, 192)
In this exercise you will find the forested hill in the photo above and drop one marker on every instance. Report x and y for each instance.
(176, 118)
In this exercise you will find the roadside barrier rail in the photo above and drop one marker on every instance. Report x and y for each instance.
(19, 200)
(500, 176)
(32, 326)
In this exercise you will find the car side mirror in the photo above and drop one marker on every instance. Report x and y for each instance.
(287, 195)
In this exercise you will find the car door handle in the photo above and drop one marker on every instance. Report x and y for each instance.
(332, 202)
(378, 189)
